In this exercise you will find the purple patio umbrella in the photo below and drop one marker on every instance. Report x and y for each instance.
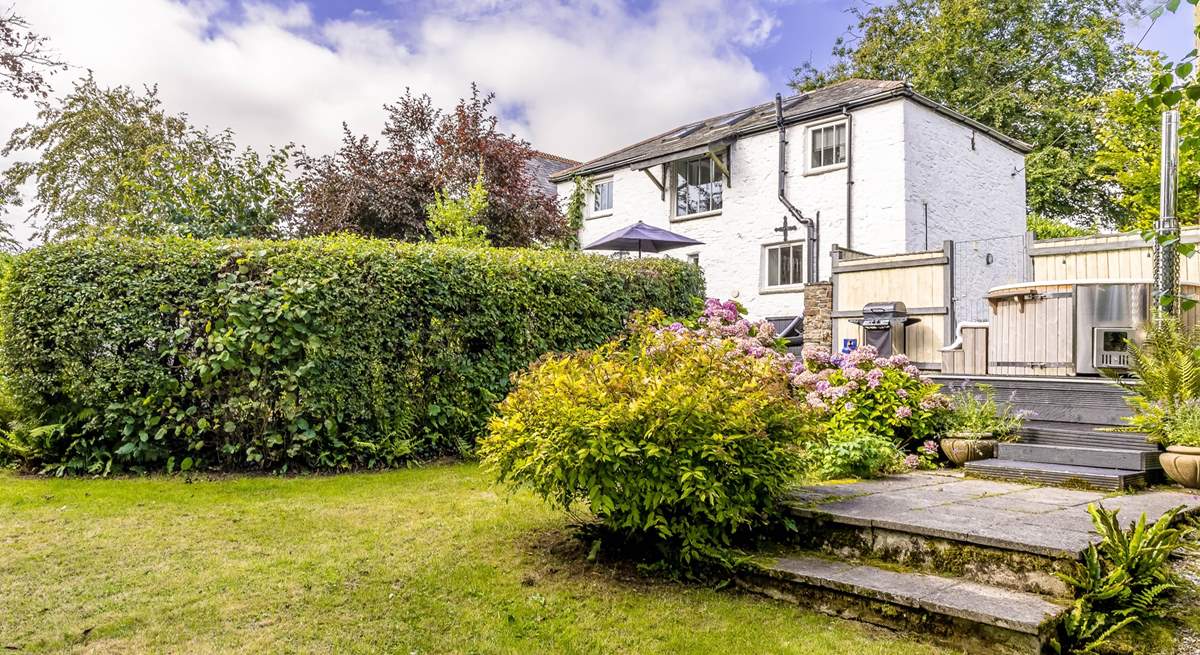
(642, 238)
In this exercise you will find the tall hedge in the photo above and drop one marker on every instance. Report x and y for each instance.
(321, 353)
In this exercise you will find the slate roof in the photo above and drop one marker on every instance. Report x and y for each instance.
(543, 165)
(760, 118)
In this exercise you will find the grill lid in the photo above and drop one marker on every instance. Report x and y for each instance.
(885, 315)
(884, 310)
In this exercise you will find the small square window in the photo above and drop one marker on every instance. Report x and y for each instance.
(784, 265)
(602, 197)
(827, 146)
(694, 258)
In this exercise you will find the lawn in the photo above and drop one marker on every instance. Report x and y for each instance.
(427, 560)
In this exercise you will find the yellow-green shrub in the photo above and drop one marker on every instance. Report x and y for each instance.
(673, 438)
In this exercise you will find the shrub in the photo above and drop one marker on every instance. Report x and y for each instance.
(679, 438)
(1044, 227)
(975, 412)
(1122, 580)
(1183, 426)
(862, 392)
(322, 353)
(1167, 365)
(852, 454)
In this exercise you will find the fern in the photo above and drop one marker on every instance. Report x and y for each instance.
(1167, 365)
(1121, 581)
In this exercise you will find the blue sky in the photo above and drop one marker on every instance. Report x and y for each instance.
(806, 29)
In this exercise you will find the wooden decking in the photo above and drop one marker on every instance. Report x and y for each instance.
(1067, 436)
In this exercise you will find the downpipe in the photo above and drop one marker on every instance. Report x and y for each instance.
(849, 176)
(812, 271)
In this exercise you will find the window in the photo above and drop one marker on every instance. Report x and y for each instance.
(698, 186)
(784, 264)
(694, 258)
(827, 146)
(686, 130)
(734, 118)
(602, 197)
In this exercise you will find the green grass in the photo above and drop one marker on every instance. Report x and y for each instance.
(430, 560)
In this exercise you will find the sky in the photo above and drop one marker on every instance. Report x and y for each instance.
(577, 78)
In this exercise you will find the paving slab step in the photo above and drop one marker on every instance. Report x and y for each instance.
(1116, 458)
(1111, 479)
(1088, 435)
(976, 617)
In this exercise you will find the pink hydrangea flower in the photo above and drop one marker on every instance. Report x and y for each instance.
(903, 412)
(856, 374)
(912, 461)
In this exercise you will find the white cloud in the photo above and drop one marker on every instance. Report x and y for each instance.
(575, 77)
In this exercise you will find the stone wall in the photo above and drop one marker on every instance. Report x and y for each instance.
(818, 315)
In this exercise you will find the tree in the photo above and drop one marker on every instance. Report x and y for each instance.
(383, 190)
(113, 159)
(1128, 158)
(1032, 69)
(214, 192)
(24, 58)
(452, 221)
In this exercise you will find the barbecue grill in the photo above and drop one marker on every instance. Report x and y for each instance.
(883, 326)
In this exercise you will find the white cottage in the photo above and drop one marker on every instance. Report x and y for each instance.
(870, 165)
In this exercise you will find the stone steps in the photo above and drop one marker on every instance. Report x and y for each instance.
(976, 617)
(1119, 458)
(965, 529)
(970, 563)
(1109, 479)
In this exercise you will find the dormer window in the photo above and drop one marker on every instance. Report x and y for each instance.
(698, 185)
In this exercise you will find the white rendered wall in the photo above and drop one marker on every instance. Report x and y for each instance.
(733, 239)
(975, 196)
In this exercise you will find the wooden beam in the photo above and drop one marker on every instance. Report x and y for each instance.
(653, 179)
(721, 165)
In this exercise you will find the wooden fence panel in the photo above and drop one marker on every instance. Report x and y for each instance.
(1109, 256)
(920, 280)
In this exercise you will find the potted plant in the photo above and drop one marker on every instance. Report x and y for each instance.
(977, 424)
(1182, 440)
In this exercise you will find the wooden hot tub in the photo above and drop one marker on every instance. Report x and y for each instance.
(1050, 328)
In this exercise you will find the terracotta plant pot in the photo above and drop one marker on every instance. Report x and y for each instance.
(1182, 464)
(961, 448)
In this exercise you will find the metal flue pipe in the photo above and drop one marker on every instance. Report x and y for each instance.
(1166, 228)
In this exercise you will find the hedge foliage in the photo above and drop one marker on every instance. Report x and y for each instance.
(322, 353)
